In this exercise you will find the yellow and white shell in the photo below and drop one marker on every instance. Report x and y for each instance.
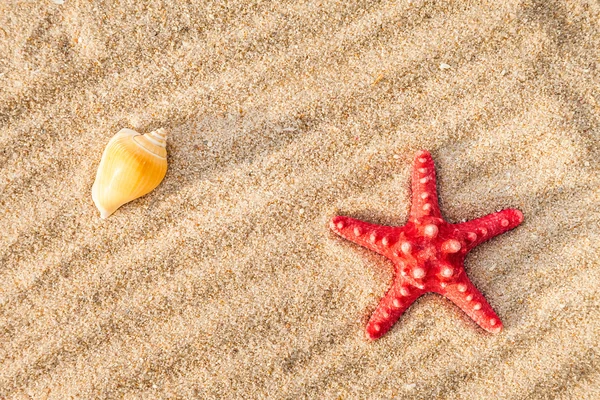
(132, 165)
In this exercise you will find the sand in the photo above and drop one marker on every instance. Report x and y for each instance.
(226, 282)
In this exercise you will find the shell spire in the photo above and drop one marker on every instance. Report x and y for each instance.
(132, 165)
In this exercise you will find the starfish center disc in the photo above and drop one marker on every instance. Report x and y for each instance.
(418, 272)
(430, 230)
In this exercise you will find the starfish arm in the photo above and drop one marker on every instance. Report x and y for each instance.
(482, 229)
(466, 296)
(389, 310)
(424, 192)
(374, 237)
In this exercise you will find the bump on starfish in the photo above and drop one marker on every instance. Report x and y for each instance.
(428, 253)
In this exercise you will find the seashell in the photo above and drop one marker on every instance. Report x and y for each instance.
(132, 165)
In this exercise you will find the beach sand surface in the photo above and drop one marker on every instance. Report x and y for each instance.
(226, 282)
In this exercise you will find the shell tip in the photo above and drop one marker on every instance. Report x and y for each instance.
(104, 214)
(162, 132)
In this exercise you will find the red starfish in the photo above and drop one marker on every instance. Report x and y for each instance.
(428, 253)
